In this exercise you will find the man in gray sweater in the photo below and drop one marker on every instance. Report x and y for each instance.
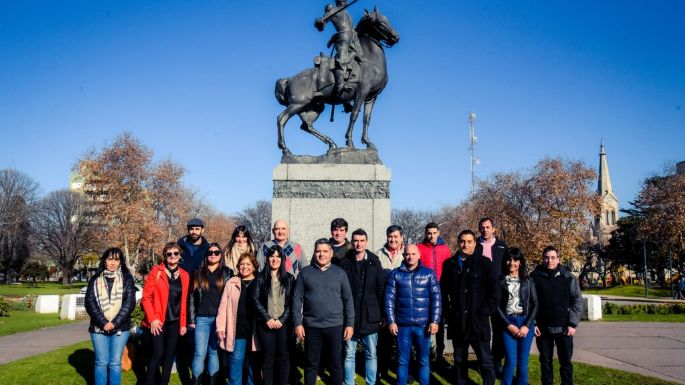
(323, 312)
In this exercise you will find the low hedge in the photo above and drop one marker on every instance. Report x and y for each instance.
(5, 308)
(612, 308)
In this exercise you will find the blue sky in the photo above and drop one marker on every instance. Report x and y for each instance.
(194, 82)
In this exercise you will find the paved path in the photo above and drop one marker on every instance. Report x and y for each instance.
(26, 344)
(655, 349)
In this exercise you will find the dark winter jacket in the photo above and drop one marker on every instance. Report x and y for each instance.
(368, 291)
(195, 298)
(340, 253)
(528, 297)
(412, 297)
(470, 296)
(259, 294)
(122, 321)
(191, 261)
(498, 250)
(561, 303)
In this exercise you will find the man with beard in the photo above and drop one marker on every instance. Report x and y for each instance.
(470, 296)
(194, 246)
(194, 249)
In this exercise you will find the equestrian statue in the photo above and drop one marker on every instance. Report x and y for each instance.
(354, 76)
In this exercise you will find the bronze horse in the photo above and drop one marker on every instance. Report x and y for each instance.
(306, 93)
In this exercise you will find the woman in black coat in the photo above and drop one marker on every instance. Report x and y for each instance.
(271, 299)
(110, 299)
(517, 310)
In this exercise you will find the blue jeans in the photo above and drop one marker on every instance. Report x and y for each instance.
(206, 341)
(108, 351)
(236, 362)
(516, 352)
(419, 337)
(369, 342)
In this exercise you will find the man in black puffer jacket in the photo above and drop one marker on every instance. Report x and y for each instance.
(470, 296)
(558, 316)
(413, 307)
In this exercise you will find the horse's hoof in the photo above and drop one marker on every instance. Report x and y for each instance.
(287, 152)
(370, 146)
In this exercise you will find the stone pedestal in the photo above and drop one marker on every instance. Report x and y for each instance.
(592, 308)
(310, 196)
(47, 304)
(73, 307)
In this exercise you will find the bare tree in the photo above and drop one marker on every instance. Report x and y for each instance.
(258, 220)
(64, 229)
(18, 194)
(413, 223)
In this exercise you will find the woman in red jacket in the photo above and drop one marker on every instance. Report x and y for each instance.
(165, 296)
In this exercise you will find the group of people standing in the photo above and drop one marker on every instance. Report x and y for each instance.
(243, 308)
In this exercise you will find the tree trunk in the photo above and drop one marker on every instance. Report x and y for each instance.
(66, 276)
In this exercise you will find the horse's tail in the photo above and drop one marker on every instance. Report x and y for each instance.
(281, 86)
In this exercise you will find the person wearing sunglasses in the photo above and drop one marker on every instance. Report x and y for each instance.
(165, 298)
(208, 284)
(110, 299)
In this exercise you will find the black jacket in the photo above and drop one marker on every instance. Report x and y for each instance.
(122, 321)
(470, 295)
(573, 308)
(259, 294)
(195, 296)
(341, 252)
(368, 291)
(528, 297)
(191, 261)
(499, 249)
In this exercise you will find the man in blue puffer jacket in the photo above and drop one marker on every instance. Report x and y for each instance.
(413, 308)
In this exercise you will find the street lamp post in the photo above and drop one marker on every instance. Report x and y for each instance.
(644, 252)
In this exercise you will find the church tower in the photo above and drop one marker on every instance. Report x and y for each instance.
(605, 223)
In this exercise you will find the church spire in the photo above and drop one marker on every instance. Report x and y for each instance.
(606, 220)
(604, 184)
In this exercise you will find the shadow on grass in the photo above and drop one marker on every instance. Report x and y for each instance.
(83, 360)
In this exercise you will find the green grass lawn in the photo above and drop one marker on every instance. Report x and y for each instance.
(74, 365)
(25, 320)
(631, 291)
(643, 317)
(42, 288)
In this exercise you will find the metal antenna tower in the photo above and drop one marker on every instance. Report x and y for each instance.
(474, 159)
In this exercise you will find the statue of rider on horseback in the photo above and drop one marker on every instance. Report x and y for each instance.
(354, 77)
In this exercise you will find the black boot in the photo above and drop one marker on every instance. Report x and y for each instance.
(213, 379)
